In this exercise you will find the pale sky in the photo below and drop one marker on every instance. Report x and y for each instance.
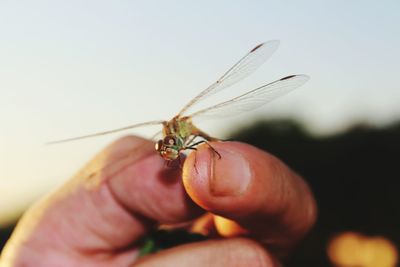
(75, 67)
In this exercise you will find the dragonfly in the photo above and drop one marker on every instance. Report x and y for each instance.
(180, 134)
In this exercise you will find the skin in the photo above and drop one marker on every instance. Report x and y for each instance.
(254, 207)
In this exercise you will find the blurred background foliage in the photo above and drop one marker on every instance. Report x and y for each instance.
(354, 176)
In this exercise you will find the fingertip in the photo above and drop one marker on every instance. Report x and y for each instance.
(251, 187)
(214, 182)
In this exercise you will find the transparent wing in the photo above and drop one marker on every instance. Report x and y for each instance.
(107, 132)
(243, 68)
(254, 98)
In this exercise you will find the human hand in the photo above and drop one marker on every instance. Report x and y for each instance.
(99, 219)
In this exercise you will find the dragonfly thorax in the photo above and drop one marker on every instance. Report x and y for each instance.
(178, 126)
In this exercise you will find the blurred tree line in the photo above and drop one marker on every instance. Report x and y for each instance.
(354, 175)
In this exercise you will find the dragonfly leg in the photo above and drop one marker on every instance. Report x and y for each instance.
(213, 149)
(180, 161)
(168, 163)
(195, 158)
(190, 140)
(192, 146)
(197, 132)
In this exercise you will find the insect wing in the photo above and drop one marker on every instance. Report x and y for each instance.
(254, 98)
(107, 132)
(243, 68)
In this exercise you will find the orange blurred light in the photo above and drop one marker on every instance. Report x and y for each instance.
(351, 249)
(227, 228)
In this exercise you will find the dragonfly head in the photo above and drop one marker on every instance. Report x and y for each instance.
(168, 148)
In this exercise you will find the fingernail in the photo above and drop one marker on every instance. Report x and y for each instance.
(230, 175)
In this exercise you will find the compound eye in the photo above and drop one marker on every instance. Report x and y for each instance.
(158, 145)
(169, 140)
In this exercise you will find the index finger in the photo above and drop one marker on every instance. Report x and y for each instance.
(103, 211)
(253, 188)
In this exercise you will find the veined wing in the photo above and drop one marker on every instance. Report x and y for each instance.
(254, 98)
(243, 68)
(107, 132)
